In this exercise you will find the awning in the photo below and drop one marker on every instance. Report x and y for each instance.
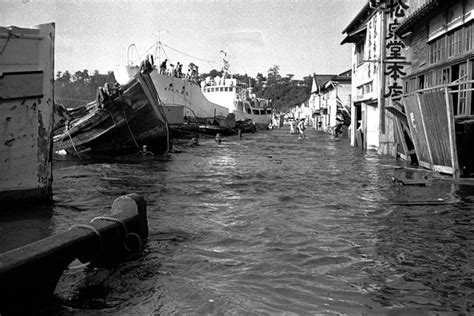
(355, 36)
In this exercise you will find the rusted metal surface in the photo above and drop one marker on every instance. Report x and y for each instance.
(26, 112)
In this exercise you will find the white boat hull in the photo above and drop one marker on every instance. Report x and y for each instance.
(186, 94)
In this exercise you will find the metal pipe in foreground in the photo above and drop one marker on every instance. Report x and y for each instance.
(29, 274)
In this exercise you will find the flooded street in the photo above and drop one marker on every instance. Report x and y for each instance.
(272, 225)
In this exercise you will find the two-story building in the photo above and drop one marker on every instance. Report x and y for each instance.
(330, 97)
(437, 100)
(379, 63)
(365, 33)
(413, 66)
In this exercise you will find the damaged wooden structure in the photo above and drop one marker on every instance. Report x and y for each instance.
(123, 120)
(26, 112)
(437, 99)
(432, 126)
(29, 274)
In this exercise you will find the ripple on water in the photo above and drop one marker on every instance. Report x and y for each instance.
(270, 225)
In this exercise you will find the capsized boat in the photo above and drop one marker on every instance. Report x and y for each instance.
(237, 97)
(122, 120)
(26, 112)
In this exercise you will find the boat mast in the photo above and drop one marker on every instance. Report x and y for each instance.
(158, 44)
(225, 62)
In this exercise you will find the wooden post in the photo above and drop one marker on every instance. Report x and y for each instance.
(452, 135)
(418, 99)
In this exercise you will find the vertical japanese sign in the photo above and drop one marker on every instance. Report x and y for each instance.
(395, 59)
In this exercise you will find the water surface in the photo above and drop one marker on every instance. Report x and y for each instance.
(273, 225)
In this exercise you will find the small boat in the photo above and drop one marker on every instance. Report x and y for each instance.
(237, 97)
(26, 112)
(122, 120)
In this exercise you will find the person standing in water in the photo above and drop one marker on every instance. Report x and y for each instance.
(301, 128)
(292, 126)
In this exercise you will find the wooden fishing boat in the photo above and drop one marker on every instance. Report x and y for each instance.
(26, 112)
(122, 120)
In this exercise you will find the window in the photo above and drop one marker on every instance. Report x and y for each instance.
(411, 85)
(441, 48)
(458, 41)
(437, 50)
(429, 79)
(360, 51)
(421, 82)
(247, 108)
(231, 89)
(468, 38)
(446, 75)
(451, 45)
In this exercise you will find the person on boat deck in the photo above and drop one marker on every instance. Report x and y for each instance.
(171, 70)
(301, 127)
(196, 72)
(176, 70)
(163, 67)
(180, 70)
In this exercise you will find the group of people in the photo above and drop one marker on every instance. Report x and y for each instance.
(177, 71)
(299, 125)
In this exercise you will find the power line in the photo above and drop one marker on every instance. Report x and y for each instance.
(207, 61)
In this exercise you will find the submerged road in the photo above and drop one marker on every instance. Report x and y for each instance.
(272, 225)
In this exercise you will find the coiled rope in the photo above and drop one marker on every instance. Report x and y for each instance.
(126, 238)
(125, 231)
(101, 241)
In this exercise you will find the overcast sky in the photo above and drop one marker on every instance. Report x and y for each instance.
(301, 36)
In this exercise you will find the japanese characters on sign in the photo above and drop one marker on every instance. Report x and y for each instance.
(395, 59)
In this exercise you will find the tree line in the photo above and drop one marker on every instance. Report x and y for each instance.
(284, 92)
(72, 90)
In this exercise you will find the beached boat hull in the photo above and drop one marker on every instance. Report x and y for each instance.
(180, 92)
(26, 112)
(120, 126)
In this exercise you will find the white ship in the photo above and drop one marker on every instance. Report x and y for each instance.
(237, 97)
(181, 95)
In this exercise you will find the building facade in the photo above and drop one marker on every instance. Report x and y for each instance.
(330, 97)
(413, 65)
(438, 83)
(365, 32)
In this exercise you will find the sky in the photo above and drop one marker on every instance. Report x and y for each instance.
(300, 36)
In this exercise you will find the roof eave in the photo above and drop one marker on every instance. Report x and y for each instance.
(418, 15)
(357, 19)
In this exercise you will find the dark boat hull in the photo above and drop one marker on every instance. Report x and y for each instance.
(121, 125)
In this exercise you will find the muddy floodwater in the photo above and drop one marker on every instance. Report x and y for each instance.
(268, 224)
